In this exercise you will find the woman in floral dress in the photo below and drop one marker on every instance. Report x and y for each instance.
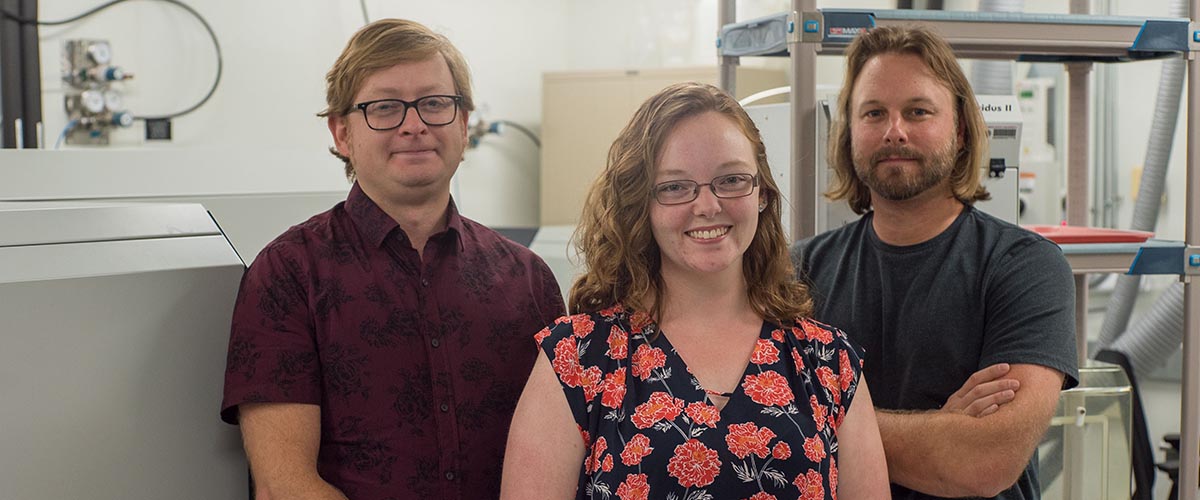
(689, 369)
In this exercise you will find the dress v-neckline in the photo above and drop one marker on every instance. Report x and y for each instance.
(694, 382)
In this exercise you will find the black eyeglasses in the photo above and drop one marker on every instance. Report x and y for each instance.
(722, 186)
(387, 114)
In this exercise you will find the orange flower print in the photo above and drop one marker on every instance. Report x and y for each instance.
(541, 335)
(582, 325)
(590, 379)
(830, 382)
(818, 334)
(799, 360)
(566, 361)
(747, 438)
(612, 311)
(638, 322)
(634, 488)
(660, 406)
(618, 344)
(798, 331)
(814, 448)
(810, 485)
(818, 412)
(762, 495)
(765, 353)
(592, 462)
(846, 372)
(614, 388)
(587, 439)
(646, 359)
(833, 476)
(607, 465)
(635, 450)
(777, 334)
(694, 464)
(781, 451)
(768, 389)
(703, 414)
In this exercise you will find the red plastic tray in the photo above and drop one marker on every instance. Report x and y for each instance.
(1078, 234)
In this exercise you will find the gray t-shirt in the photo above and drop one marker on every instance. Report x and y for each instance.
(929, 315)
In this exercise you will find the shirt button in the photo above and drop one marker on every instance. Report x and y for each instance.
(425, 282)
(445, 407)
(450, 476)
(435, 342)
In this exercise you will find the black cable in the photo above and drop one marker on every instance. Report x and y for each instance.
(527, 132)
(216, 44)
(366, 18)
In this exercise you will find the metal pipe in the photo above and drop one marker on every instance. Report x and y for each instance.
(727, 14)
(1189, 446)
(805, 194)
(10, 75)
(1078, 121)
(31, 75)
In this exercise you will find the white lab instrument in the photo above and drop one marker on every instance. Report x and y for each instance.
(112, 356)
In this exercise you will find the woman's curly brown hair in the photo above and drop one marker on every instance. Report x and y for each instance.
(614, 235)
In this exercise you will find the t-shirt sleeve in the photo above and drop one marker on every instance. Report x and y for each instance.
(1031, 310)
(272, 346)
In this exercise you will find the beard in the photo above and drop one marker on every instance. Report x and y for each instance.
(897, 184)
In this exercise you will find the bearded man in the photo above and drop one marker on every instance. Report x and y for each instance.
(967, 321)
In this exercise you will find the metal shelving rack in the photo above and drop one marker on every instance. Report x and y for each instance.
(1078, 40)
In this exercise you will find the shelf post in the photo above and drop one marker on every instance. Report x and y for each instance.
(805, 193)
(726, 15)
(1189, 446)
(1078, 148)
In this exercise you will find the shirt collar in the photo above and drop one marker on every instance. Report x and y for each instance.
(376, 225)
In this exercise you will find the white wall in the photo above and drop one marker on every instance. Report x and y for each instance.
(276, 55)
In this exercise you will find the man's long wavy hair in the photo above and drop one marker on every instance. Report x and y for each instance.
(939, 58)
(614, 235)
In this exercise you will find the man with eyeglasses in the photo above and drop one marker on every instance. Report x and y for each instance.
(378, 349)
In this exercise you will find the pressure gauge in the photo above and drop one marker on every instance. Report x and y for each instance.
(113, 100)
(122, 119)
(99, 52)
(92, 101)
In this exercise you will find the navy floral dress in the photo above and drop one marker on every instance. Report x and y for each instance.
(652, 432)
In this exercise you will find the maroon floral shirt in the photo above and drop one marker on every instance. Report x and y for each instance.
(417, 365)
(652, 432)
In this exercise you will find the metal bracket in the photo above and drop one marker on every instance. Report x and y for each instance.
(1191, 261)
(810, 29)
(1193, 39)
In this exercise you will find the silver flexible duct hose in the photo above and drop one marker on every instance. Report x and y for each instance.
(1149, 199)
(1157, 334)
(995, 77)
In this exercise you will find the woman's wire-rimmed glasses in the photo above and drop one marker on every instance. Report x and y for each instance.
(722, 186)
